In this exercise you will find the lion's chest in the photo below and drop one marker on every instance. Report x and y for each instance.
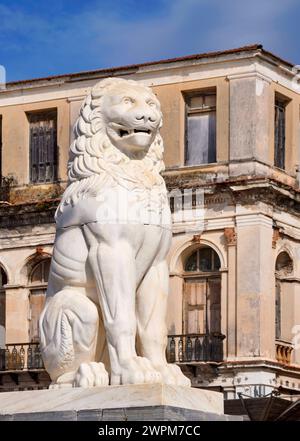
(117, 205)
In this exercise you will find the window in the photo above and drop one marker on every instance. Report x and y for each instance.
(38, 286)
(283, 268)
(43, 146)
(202, 292)
(200, 139)
(279, 135)
(203, 259)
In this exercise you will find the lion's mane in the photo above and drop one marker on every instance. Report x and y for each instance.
(95, 163)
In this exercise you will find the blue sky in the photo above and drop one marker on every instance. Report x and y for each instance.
(41, 38)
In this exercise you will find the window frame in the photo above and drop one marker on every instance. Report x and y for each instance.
(198, 272)
(36, 116)
(187, 96)
(280, 102)
(38, 288)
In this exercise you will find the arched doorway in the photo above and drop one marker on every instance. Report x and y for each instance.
(38, 280)
(202, 292)
(201, 338)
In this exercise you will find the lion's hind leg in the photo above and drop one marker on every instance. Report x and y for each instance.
(69, 330)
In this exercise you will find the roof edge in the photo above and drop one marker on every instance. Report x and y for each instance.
(73, 76)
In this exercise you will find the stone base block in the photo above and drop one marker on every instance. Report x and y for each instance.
(144, 402)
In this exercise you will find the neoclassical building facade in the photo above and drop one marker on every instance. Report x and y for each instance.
(232, 153)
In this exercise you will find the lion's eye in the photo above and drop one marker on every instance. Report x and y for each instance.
(151, 104)
(127, 100)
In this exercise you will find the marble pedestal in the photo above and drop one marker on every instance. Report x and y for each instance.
(153, 402)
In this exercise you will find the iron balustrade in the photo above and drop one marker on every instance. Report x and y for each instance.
(21, 356)
(184, 348)
(181, 348)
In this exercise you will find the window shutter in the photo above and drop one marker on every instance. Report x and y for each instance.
(43, 147)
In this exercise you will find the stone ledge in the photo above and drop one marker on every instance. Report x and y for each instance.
(146, 413)
(112, 397)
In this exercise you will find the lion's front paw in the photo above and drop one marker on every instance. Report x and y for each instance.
(171, 374)
(91, 374)
(138, 370)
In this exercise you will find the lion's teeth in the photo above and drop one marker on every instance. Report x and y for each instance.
(130, 132)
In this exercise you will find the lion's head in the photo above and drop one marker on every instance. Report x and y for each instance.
(117, 140)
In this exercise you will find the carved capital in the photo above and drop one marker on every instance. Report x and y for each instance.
(276, 236)
(230, 236)
(196, 238)
(39, 250)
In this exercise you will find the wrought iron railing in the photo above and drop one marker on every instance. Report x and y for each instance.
(195, 347)
(181, 348)
(21, 356)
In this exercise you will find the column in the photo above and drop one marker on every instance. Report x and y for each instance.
(230, 237)
(255, 287)
(250, 98)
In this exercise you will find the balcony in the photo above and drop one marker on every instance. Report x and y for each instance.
(283, 351)
(21, 356)
(186, 348)
(22, 368)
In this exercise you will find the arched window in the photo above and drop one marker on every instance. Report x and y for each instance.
(202, 260)
(3, 282)
(202, 292)
(38, 279)
(40, 272)
(201, 338)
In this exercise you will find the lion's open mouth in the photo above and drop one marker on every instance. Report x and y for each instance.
(123, 132)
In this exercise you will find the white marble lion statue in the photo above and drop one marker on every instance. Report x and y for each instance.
(104, 317)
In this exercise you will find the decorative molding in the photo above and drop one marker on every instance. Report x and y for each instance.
(245, 220)
(70, 99)
(39, 250)
(196, 238)
(251, 74)
(276, 236)
(230, 236)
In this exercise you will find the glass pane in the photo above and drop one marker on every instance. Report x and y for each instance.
(3, 278)
(191, 263)
(36, 275)
(216, 261)
(46, 270)
(40, 272)
(210, 100)
(208, 260)
(201, 138)
(279, 150)
(205, 261)
(211, 137)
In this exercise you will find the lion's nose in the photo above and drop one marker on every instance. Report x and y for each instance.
(145, 115)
